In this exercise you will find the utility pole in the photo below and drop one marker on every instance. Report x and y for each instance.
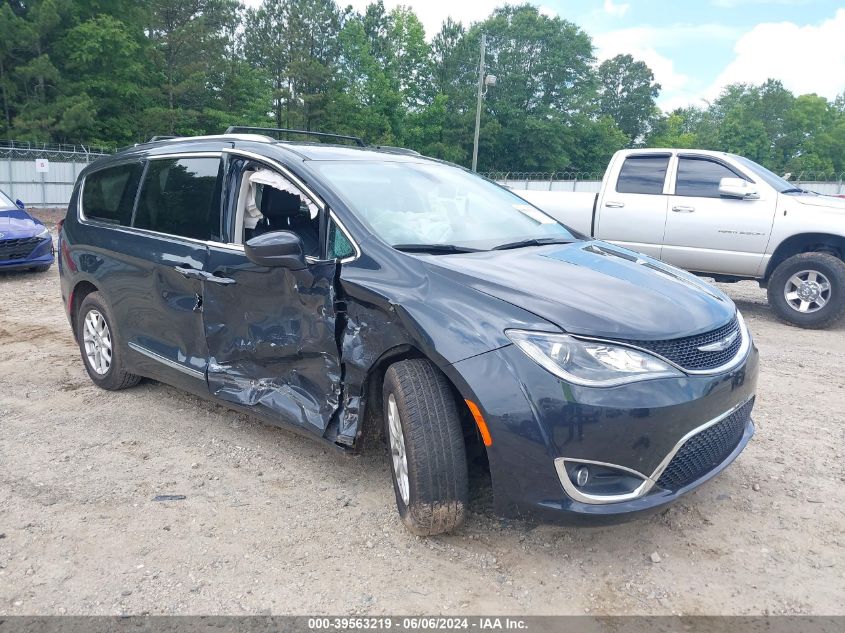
(478, 107)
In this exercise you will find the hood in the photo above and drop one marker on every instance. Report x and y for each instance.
(594, 289)
(15, 223)
(812, 200)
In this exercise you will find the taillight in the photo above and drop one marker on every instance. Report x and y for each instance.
(64, 249)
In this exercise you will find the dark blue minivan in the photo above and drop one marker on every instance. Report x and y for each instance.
(25, 243)
(353, 291)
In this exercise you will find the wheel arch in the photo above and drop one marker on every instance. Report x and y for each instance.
(373, 414)
(81, 290)
(806, 243)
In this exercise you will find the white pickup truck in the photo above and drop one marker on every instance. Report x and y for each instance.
(721, 216)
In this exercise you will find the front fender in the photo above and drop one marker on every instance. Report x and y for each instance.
(409, 310)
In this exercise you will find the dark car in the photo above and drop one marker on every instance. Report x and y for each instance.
(25, 243)
(343, 290)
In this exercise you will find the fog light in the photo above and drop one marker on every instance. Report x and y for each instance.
(582, 476)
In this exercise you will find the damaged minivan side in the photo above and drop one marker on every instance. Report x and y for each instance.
(347, 292)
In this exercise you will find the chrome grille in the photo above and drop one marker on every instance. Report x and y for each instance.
(684, 352)
(704, 451)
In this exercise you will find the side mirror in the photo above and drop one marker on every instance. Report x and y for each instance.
(19, 203)
(279, 249)
(737, 188)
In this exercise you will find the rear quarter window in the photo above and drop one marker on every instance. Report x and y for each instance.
(643, 174)
(181, 197)
(109, 194)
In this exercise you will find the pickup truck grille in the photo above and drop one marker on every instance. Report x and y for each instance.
(703, 452)
(684, 352)
(18, 248)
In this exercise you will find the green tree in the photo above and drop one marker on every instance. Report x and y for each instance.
(544, 67)
(106, 79)
(627, 95)
(410, 56)
(189, 38)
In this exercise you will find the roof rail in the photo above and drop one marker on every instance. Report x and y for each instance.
(246, 128)
(397, 150)
(162, 137)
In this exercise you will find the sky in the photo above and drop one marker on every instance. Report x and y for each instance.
(694, 47)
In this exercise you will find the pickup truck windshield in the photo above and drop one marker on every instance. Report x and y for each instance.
(414, 205)
(769, 177)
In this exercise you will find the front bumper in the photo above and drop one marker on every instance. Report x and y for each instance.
(542, 427)
(39, 254)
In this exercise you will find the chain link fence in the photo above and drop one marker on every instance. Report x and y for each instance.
(51, 184)
(41, 174)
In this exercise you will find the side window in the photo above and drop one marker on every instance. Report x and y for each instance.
(339, 245)
(109, 194)
(268, 202)
(700, 177)
(643, 174)
(181, 197)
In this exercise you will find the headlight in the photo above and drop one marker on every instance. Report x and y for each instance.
(590, 363)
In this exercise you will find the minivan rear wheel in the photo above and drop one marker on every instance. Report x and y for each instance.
(99, 345)
(808, 290)
(428, 458)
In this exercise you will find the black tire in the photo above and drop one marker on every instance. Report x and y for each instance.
(116, 377)
(42, 269)
(825, 264)
(438, 488)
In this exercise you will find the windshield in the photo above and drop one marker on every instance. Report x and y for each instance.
(769, 177)
(410, 203)
(6, 202)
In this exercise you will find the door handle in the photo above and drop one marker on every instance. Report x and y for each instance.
(189, 273)
(683, 209)
(201, 275)
(614, 205)
(214, 279)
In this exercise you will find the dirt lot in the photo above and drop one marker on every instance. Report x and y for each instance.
(276, 523)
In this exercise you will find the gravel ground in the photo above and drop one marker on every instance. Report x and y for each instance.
(277, 523)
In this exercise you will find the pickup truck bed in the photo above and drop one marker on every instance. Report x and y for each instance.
(576, 210)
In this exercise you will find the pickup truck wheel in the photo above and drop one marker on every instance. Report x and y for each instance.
(428, 458)
(808, 290)
(100, 347)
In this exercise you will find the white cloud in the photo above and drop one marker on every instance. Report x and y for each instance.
(616, 10)
(677, 89)
(805, 58)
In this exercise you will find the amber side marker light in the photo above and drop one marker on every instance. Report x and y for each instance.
(480, 423)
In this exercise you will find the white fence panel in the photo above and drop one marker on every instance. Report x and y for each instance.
(53, 188)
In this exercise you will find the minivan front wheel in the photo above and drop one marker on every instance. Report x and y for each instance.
(808, 290)
(427, 454)
(99, 345)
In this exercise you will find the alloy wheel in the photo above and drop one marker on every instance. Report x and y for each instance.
(98, 342)
(807, 291)
(397, 449)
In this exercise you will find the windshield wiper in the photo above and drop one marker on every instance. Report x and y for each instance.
(795, 190)
(437, 249)
(536, 241)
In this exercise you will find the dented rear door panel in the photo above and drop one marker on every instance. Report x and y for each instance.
(271, 339)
